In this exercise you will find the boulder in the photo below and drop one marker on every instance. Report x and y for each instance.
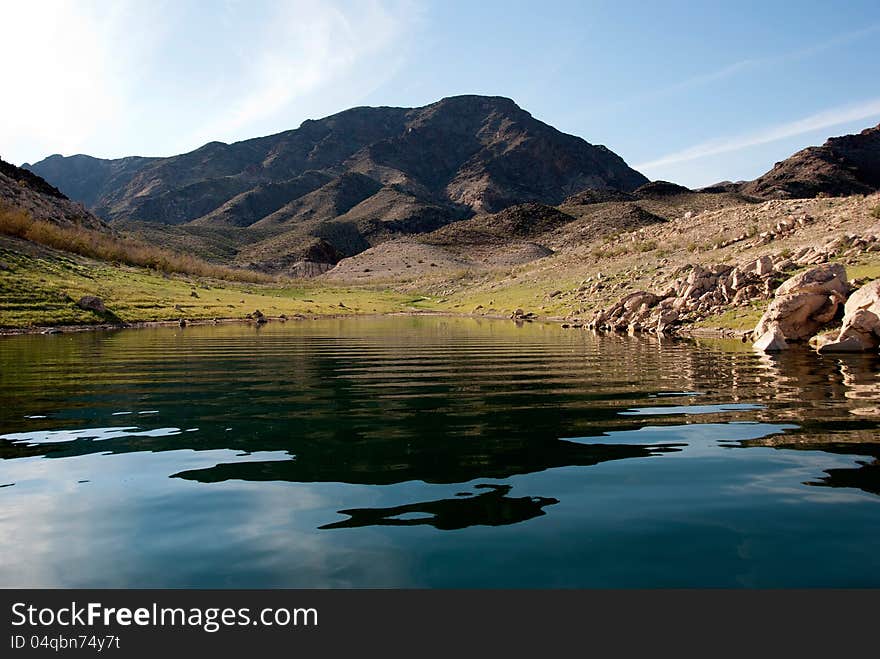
(666, 319)
(92, 303)
(849, 344)
(764, 266)
(772, 340)
(822, 279)
(860, 330)
(803, 304)
(798, 316)
(638, 300)
(867, 297)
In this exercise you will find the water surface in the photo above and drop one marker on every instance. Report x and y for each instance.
(432, 452)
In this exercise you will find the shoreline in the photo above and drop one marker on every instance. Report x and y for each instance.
(683, 332)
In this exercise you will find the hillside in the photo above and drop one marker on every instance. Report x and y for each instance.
(528, 233)
(61, 265)
(578, 267)
(842, 166)
(391, 246)
(353, 180)
(21, 190)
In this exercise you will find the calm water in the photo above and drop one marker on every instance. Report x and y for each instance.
(434, 452)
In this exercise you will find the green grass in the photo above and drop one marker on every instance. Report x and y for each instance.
(868, 268)
(114, 248)
(41, 289)
(738, 318)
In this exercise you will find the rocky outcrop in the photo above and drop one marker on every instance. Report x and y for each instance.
(703, 292)
(842, 166)
(860, 330)
(802, 305)
(29, 179)
(308, 269)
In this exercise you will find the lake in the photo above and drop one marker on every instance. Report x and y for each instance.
(433, 452)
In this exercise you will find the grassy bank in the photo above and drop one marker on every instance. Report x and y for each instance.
(115, 248)
(40, 286)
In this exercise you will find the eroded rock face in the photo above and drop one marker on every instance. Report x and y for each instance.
(802, 306)
(860, 330)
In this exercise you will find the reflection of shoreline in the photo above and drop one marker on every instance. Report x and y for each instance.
(437, 400)
(865, 477)
(390, 462)
(490, 508)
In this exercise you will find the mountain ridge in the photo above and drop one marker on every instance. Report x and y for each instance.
(844, 165)
(428, 165)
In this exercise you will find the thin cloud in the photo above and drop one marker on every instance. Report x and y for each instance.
(749, 64)
(165, 77)
(826, 119)
(313, 46)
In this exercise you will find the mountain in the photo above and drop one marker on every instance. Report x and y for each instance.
(352, 180)
(22, 190)
(842, 166)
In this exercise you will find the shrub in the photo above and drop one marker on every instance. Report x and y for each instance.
(115, 248)
(875, 212)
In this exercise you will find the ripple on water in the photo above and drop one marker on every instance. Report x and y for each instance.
(37, 437)
(432, 452)
(692, 409)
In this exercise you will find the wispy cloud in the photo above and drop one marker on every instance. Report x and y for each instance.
(167, 76)
(825, 119)
(310, 47)
(746, 65)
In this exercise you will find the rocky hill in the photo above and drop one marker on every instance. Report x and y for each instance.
(842, 166)
(529, 233)
(352, 179)
(21, 190)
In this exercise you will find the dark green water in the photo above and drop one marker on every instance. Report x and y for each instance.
(412, 452)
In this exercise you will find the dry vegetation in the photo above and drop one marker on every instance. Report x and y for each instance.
(115, 248)
(594, 263)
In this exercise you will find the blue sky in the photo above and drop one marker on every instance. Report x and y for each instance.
(693, 92)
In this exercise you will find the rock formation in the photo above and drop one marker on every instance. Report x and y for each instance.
(802, 305)
(704, 291)
(860, 330)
